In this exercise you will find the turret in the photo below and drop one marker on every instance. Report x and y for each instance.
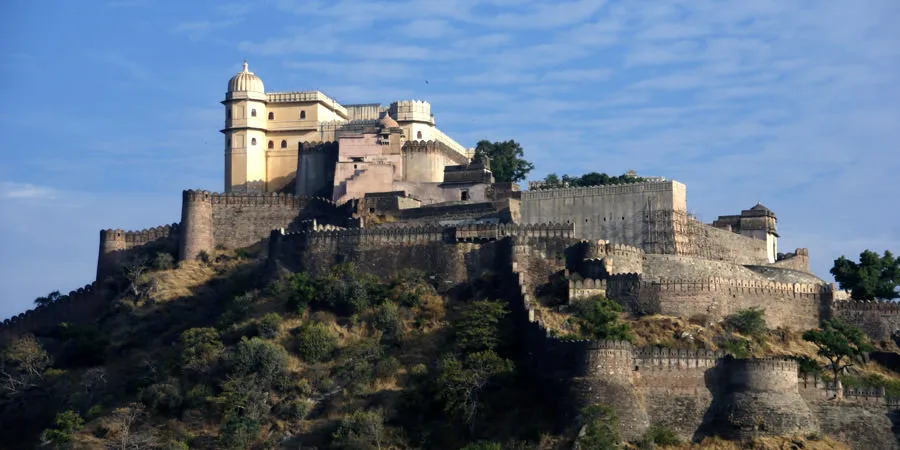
(245, 133)
(196, 224)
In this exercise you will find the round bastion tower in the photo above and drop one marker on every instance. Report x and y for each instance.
(245, 133)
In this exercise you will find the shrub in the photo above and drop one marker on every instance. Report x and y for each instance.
(661, 435)
(295, 409)
(808, 366)
(200, 349)
(315, 342)
(163, 397)
(699, 319)
(386, 318)
(475, 326)
(600, 428)
(203, 257)
(386, 368)
(738, 347)
(598, 318)
(67, 424)
(197, 395)
(267, 361)
(362, 430)
(163, 261)
(750, 322)
(269, 325)
(483, 446)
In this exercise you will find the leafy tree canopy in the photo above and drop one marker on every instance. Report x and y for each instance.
(506, 158)
(840, 343)
(872, 277)
(589, 179)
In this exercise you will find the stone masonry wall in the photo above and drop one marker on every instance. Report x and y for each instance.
(77, 306)
(236, 220)
(613, 213)
(880, 320)
(117, 246)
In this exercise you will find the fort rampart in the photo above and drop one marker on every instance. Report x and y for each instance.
(211, 220)
(879, 319)
(786, 305)
(117, 246)
(77, 306)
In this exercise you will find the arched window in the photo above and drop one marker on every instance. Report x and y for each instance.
(253, 141)
(419, 135)
(283, 144)
(271, 116)
(253, 113)
(271, 144)
(302, 114)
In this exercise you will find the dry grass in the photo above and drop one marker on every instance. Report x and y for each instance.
(767, 443)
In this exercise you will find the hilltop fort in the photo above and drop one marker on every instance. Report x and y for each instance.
(319, 183)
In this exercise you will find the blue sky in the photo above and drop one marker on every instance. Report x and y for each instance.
(112, 108)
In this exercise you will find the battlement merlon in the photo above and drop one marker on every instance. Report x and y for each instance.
(411, 111)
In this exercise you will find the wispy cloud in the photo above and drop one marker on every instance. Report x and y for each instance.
(200, 29)
(14, 190)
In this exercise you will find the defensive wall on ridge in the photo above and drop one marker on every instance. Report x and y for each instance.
(692, 392)
(77, 306)
(118, 246)
(651, 216)
(210, 220)
(879, 319)
(796, 305)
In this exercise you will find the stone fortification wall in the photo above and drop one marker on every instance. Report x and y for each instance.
(424, 161)
(693, 238)
(602, 259)
(77, 306)
(798, 260)
(614, 213)
(316, 162)
(677, 385)
(453, 254)
(861, 418)
(880, 320)
(236, 220)
(760, 397)
(586, 288)
(117, 246)
(796, 306)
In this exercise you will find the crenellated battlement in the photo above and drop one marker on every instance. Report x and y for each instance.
(253, 199)
(139, 237)
(650, 186)
(741, 286)
(655, 358)
(75, 306)
(498, 231)
(311, 147)
(885, 306)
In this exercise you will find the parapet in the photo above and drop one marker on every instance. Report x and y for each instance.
(494, 232)
(254, 199)
(140, 237)
(880, 306)
(650, 186)
(655, 358)
(75, 306)
(414, 146)
(318, 146)
(411, 110)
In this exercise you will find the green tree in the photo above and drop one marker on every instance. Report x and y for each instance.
(598, 318)
(552, 180)
(506, 158)
(269, 325)
(267, 361)
(22, 364)
(461, 382)
(200, 349)
(51, 298)
(872, 277)
(839, 342)
(475, 327)
(750, 322)
(67, 424)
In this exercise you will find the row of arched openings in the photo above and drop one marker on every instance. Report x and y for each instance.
(283, 144)
(271, 114)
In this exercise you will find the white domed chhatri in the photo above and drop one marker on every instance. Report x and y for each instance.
(245, 81)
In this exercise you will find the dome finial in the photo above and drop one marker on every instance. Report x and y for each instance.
(245, 66)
